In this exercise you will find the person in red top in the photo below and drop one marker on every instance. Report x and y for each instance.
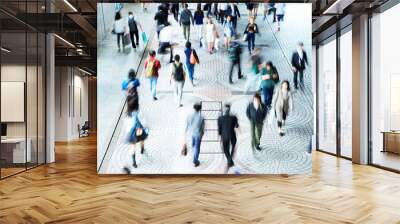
(151, 67)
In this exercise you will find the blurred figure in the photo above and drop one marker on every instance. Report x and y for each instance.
(269, 77)
(283, 104)
(227, 124)
(208, 8)
(222, 7)
(178, 74)
(234, 12)
(191, 60)
(134, 30)
(299, 62)
(255, 64)
(185, 20)
(151, 66)
(165, 41)
(198, 22)
(229, 31)
(130, 86)
(195, 126)
(162, 19)
(280, 13)
(268, 9)
(251, 30)
(255, 10)
(175, 11)
(137, 133)
(250, 7)
(119, 28)
(234, 53)
(256, 113)
(211, 34)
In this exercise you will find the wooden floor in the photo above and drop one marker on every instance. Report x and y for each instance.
(70, 191)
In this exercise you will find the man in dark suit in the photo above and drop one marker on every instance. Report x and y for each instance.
(299, 61)
(227, 124)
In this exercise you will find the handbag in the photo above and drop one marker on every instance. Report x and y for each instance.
(126, 39)
(245, 37)
(193, 59)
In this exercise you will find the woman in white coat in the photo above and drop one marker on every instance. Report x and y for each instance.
(282, 102)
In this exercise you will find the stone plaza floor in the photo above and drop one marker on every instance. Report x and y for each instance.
(166, 122)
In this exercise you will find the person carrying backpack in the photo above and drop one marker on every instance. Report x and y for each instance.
(134, 30)
(151, 66)
(130, 86)
(269, 77)
(178, 74)
(256, 113)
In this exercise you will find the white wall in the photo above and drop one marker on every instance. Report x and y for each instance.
(71, 102)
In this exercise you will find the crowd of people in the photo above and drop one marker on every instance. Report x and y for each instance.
(273, 96)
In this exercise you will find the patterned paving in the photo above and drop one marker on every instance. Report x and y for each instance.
(286, 154)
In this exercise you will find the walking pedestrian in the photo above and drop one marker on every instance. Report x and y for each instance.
(130, 82)
(253, 77)
(227, 125)
(256, 113)
(250, 7)
(211, 34)
(234, 53)
(185, 21)
(166, 41)
(280, 14)
(250, 32)
(175, 11)
(152, 65)
(229, 32)
(222, 7)
(255, 10)
(198, 22)
(269, 77)
(234, 12)
(178, 74)
(162, 19)
(137, 133)
(195, 126)
(119, 29)
(133, 25)
(283, 104)
(299, 62)
(191, 60)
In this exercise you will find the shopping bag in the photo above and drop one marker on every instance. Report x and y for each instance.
(126, 40)
(144, 38)
(216, 44)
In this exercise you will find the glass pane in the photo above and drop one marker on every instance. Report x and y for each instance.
(386, 89)
(13, 87)
(32, 98)
(41, 99)
(327, 97)
(346, 94)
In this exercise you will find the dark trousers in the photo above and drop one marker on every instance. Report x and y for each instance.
(221, 16)
(256, 132)
(299, 73)
(119, 38)
(234, 22)
(163, 47)
(283, 118)
(229, 149)
(251, 38)
(233, 64)
(134, 35)
(267, 94)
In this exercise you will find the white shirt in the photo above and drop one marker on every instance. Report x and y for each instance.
(223, 6)
(280, 8)
(119, 26)
(166, 34)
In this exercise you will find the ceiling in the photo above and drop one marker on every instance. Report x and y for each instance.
(75, 22)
